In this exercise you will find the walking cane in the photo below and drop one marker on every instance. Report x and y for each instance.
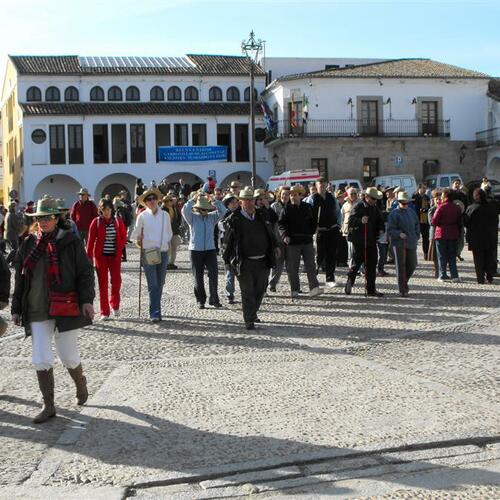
(140, 270)
(405, 274)
(366, 258)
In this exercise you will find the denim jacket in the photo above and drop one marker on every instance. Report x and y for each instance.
(201, 227)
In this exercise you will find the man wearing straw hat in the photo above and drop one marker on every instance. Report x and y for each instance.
(202, 217)
(403, 229)
(364, 227)
(83, 212)
(250, 251)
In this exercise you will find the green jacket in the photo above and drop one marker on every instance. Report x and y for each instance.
(77, 275)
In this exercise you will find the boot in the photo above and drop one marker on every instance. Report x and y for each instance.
(46, 384)
(82, 393)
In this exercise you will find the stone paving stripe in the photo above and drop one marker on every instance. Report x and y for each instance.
(62, 493)
(251, 477)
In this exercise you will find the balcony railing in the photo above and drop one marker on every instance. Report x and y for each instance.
(490, 137)
(360, 128)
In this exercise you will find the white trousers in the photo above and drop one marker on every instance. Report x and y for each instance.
(42, 333)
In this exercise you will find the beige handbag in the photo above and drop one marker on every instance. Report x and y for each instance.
(152, 256)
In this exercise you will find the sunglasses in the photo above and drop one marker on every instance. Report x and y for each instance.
(150, 198)
(44, 218)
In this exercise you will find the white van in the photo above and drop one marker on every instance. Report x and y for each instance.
(441, 181)
(345, 183)
(407, 182)
(292, 177)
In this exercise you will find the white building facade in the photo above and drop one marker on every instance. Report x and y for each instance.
(413, 116)
(488, 140)
(98, 122)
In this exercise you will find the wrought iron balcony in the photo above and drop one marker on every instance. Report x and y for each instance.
(360, 128)
(490, 137)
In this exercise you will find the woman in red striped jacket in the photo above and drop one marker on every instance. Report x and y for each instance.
(106, 239)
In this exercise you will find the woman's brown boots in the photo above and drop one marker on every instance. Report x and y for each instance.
(46, 384)
(82, 394)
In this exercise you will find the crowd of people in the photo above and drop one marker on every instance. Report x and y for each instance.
(55, 250)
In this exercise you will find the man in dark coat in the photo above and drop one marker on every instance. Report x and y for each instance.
(250, 251)
(481, 221)
(327, 214)
(83, 212)
(4, 290)
(364, 227)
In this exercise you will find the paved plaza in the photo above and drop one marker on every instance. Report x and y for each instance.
(338, 396)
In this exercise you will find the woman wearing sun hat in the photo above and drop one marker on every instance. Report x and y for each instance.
(53, 295)
(153, 233)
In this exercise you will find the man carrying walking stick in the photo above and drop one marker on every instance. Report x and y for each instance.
(403, 229)
(364, 227)
(152, 234)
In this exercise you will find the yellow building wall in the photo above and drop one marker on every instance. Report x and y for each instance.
(12, 134)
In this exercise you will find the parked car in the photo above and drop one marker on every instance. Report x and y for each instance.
(406, 181)
(292, 177)
(441, 181)
(345, 183)
(495, 188)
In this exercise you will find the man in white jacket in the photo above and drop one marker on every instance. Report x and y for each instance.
(153, 229)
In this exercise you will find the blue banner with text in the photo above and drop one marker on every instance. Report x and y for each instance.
(192, 153)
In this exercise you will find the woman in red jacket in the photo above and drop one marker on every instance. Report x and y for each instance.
(106, 239)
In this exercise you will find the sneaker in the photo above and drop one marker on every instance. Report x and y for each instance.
(201, 305)
(332, 284)
(104, 317)
(456, 280)
(155, 319)
(116, 313)
(316, 291)
(295, 295)
(348, 287)
(443, 279)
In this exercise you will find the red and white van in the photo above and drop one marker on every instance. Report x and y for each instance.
(292, 177)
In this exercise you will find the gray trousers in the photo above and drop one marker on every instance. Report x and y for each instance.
(293, 254)
(278, 269)
(406, 263)
(253, 284)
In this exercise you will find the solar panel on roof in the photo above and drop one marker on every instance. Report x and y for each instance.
(135, 62)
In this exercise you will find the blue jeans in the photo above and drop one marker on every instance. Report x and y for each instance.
(229, 282)
(447, 256)
(155, 276)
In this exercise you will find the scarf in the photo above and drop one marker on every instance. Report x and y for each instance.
(45, 242)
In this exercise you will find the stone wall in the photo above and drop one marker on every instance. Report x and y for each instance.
(345, 155)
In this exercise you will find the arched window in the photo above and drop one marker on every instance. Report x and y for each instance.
(115, 94)
(232, 94)
(71, 94)
(133, 94)
(96, 94)
(157, 94)
(246, 95)
(174, 94)
(215, 94)
(52, 94)
(191, 94)
(33, 94)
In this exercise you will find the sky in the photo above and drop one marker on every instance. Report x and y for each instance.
(463, 33)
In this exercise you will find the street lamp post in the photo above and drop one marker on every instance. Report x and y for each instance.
(251, 49)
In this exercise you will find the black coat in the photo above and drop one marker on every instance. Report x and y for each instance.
(77, 275)
(232, 239)
(298, 223)
(375, 224)
(4, 280)
(481, 221)
(325, 210)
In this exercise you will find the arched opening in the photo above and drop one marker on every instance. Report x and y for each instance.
(114, 183)
(58, 186)
(244, 178)
(493, 169)
(172, 180)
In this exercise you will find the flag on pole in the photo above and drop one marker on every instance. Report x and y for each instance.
(268, 116)
(293, 115)
(305, 108)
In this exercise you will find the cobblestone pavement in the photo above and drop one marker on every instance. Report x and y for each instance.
(196, 397)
